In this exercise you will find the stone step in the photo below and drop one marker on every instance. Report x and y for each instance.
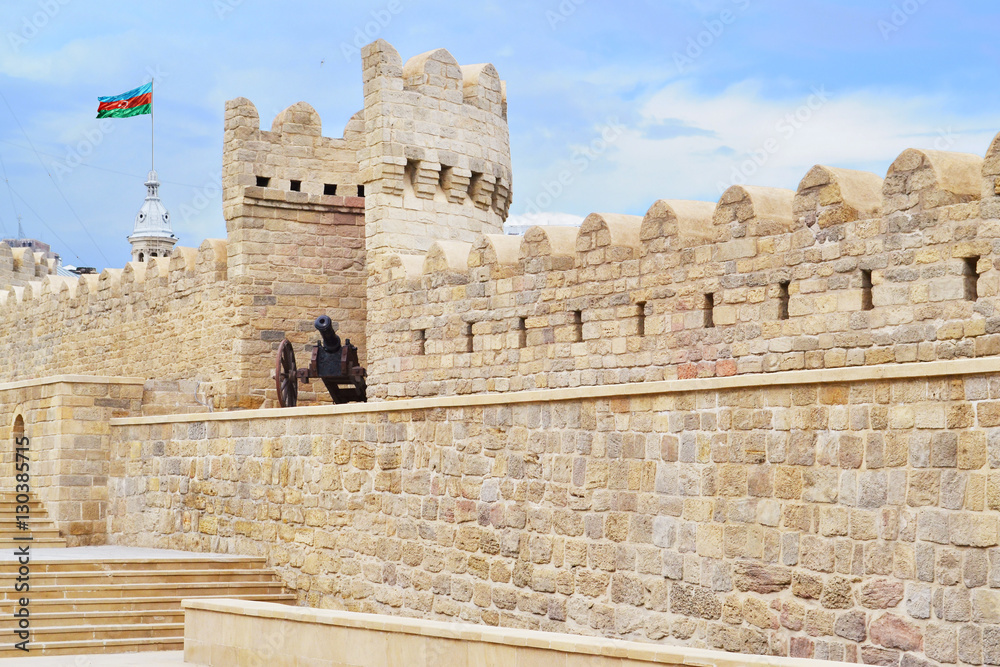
(49, 543)
(99, 618)
(97, 646)
(41, 529)
(145, 590)
(35, 532)
(178, 577)
(129, 605)
(82, 632)
(131, 564)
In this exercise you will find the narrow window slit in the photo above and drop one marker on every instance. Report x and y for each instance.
(422, 340)
(971, 273)
(641, 319)
(866, 290)
(468, 337)
(578, 325)
(709, 308)
(783, 300)
(522, 333)
(361, 191)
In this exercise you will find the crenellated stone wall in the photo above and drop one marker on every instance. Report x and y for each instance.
(436, 160)
(848, 270)
(18, 266)
(168, 319)
(844, 514)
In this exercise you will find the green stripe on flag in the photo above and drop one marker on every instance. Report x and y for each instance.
(126, 113)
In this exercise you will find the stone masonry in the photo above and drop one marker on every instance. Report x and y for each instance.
(850, 269)
(845, 514)
(767, 424)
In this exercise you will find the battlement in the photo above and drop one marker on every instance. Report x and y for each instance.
(436, 160)
(18, 266)
(183, 269)
(168, 318)
(429, 152)
(293, 163)
(849, 269)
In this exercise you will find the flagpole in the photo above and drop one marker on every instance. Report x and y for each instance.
(152, 125)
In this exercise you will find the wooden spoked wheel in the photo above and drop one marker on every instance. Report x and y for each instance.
(285, 379)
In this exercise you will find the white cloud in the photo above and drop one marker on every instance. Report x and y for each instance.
(740, 134)
(78, 61)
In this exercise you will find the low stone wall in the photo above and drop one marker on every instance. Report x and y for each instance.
(221, 633)
(66, 420)
(846, 514)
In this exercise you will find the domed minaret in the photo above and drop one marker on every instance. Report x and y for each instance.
(152, 235)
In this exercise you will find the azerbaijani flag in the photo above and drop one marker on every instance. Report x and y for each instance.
(135, 102)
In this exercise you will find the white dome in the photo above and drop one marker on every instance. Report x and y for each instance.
(152, 235)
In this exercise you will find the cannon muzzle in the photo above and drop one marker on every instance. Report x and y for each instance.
(331, 341)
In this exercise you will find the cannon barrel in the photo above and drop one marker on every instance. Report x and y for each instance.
(331, 341)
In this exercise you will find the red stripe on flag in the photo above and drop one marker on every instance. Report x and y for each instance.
(137, 101)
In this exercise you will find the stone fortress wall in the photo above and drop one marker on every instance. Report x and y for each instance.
(845, 514)
(850, 269)
(769, 424)
(296, 205)
(295, 224)
(168, 319)
(19, 266)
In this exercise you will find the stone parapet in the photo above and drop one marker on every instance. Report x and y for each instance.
(220, 633)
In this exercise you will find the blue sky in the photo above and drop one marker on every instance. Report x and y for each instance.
(628, 102)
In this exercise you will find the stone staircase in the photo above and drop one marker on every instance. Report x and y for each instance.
(43, 532)
(120, 605)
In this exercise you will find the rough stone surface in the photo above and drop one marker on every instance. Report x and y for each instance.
(893, 632)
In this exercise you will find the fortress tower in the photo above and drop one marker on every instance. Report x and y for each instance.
(436, 160)
(152, 235)
(426, 160)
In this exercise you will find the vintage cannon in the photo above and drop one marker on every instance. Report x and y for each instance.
(334, 363)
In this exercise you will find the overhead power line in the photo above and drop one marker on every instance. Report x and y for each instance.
(10, 192)
(47, 226)
(94, 166)
(54, 183)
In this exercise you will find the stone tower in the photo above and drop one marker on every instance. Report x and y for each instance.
(152, 235)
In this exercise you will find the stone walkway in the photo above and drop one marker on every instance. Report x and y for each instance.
(150, 659)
